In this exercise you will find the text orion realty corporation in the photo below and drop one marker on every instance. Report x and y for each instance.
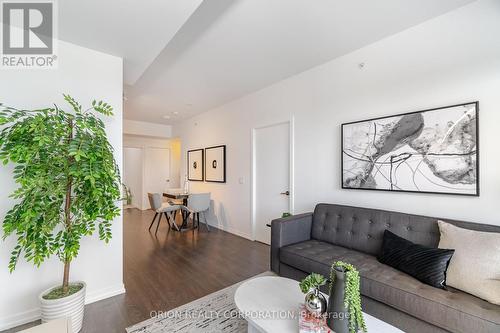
(28, 34)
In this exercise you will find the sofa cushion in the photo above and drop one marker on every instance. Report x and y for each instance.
(451, 309)
(424, 263)
(475, 267)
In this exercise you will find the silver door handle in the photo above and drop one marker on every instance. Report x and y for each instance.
(285, 193)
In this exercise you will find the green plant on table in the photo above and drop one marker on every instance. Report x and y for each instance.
(67, 177)
(352, 295)
(311, 282)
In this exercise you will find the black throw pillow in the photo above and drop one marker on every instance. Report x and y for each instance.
(424, 263)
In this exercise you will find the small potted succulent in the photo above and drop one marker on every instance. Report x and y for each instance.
(315, 302)
(344, 306)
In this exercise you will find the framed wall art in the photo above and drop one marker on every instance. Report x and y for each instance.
(215, 164)
(430, 151)
(196, 163)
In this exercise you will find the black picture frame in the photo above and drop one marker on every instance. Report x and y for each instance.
(189, 153)
(207, 166)
(477, 152)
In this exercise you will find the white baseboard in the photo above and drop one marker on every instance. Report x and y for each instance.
(104, 293)
(34, 314)
(19, 319)
(233, 231)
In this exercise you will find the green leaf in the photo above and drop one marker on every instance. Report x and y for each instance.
(52, 149)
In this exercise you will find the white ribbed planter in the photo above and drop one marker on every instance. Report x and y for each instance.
(68, 307)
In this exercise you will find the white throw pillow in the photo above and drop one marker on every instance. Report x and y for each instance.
(475, 265)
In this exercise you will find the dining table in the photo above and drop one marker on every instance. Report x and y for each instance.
(179, 194)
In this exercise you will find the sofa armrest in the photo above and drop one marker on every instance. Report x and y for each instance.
(287, 231)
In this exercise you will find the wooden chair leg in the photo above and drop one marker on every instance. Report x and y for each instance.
(194, 221)
(158, 225)
(206, 221)
(174, 224)
(152, 222)
(168, 221)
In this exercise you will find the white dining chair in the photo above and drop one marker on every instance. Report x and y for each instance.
(160, 208)
(198, 203)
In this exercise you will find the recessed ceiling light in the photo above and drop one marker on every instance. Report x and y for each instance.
(166, 116)
(176, 112)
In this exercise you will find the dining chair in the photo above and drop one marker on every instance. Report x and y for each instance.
(198, 203)
(160, 208)
(175, 202)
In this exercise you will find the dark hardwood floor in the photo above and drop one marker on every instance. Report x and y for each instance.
(164, 272)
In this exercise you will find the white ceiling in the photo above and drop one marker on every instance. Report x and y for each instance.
(183, 57)
(135, 30)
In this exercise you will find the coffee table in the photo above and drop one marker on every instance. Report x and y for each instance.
(268, 302)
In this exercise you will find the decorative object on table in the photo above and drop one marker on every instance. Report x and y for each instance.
(426, 264)
(430, 151)
(477, 249)
(195, 160)
(314, 301)
(69, 185)
(344, 313)
(215, 164)
(186, 184)
(309, 323)
(285, 215)
(127, 194)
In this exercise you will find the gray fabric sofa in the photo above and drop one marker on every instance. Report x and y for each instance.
(311, 242)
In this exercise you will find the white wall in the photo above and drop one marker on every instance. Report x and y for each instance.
(144, 143)
(86, 75)
(134, 127)
(133, 173)
(451, 59)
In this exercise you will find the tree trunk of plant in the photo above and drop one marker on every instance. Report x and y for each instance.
(67, 215)
(66, 276)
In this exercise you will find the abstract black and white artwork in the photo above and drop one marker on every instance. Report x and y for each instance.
(430, 151)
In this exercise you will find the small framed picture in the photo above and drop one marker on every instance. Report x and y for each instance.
(196, 163)
(215, 164)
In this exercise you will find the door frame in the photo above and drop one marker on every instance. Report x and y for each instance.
(143, 151)
(253, 188)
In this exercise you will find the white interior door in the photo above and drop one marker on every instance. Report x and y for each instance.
(157, 171)
(272, 177)
(132, 174)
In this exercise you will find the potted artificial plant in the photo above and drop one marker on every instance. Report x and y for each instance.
(315, 302)
(344, 305)
(68, 187)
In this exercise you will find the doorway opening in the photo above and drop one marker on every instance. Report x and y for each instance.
(149, 166)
